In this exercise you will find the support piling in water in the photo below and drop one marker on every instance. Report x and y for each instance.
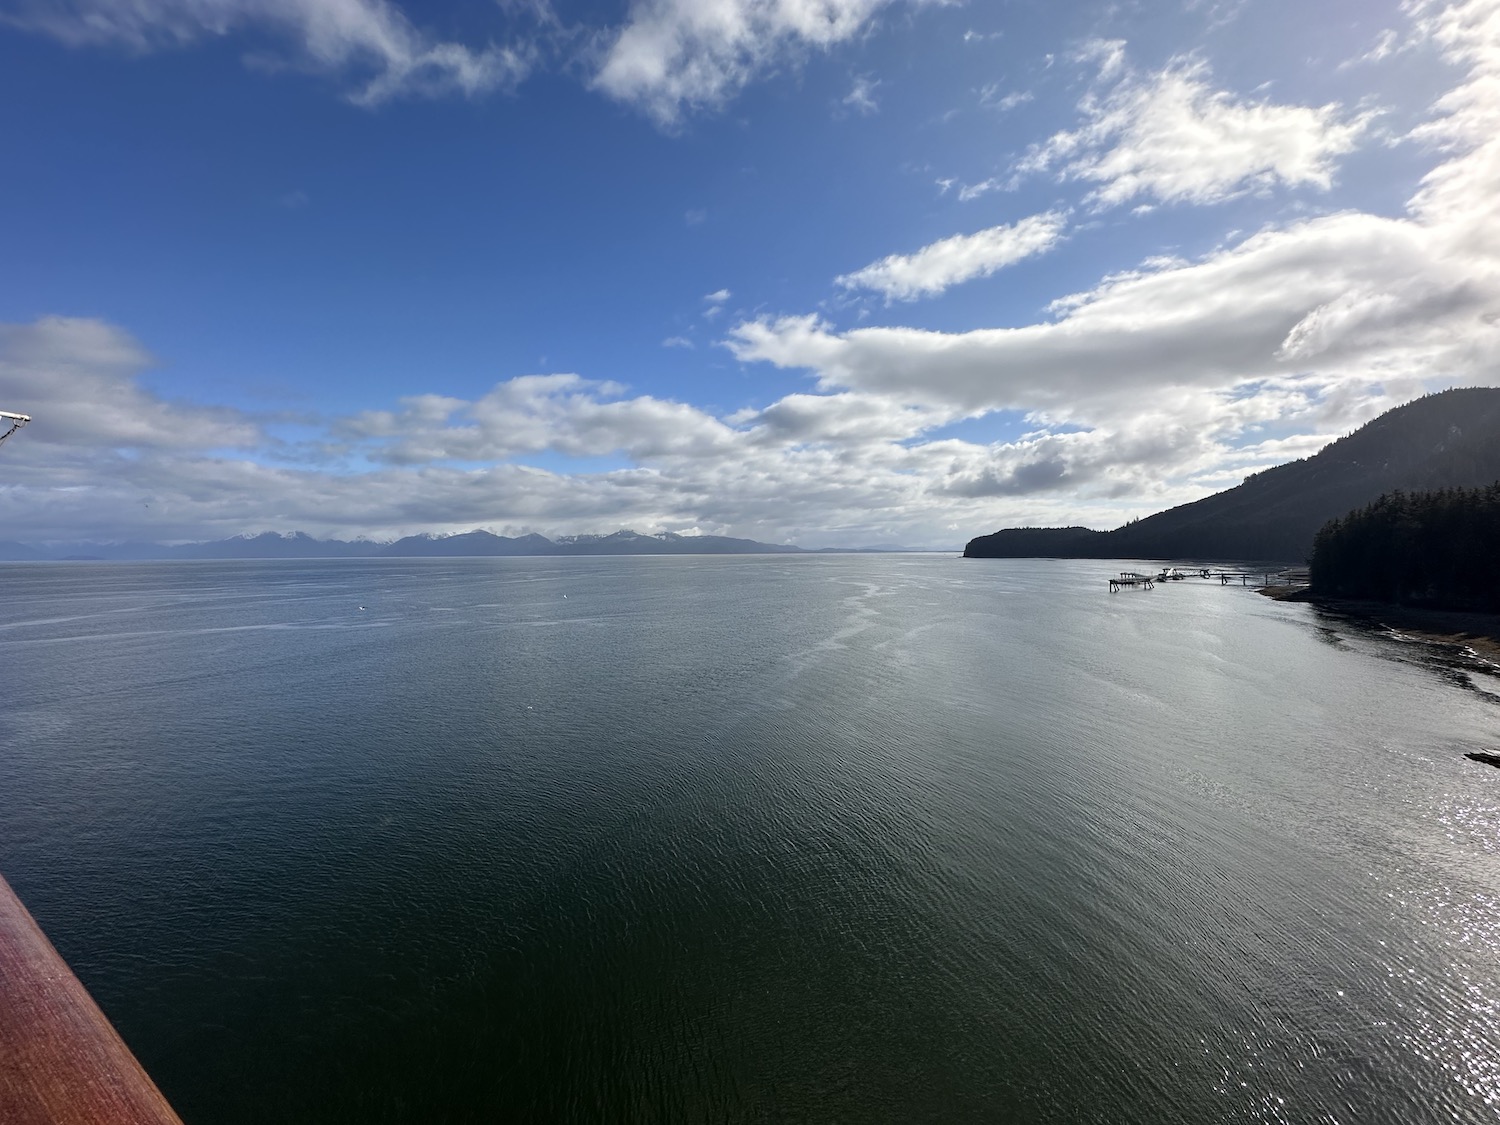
(1291, 576)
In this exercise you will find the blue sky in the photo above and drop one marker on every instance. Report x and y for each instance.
(816, 271)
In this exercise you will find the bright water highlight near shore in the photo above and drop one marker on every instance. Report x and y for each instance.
(814, 839)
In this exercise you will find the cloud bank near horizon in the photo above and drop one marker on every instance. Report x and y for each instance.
(1151, 386)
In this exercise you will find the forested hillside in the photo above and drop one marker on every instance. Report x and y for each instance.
(1439, 549)
(1445, 440)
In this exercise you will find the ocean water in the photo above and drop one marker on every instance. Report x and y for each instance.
(864, 838)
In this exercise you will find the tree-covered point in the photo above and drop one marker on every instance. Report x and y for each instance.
(1445, 440)
(1439, 549)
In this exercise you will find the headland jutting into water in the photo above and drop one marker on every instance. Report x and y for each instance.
(1447, 440)
(1399, 521)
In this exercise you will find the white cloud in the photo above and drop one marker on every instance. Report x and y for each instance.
(845, 468)
(970, 192)
(1469, 35)
(1387, 43)
(1176, 376)
(861, 98)
(80, 381)
(677, 342)
(1314, 327)
(1172, 137)
(840, 420)
(963, 257)
(356, 37)
(714, 303)
(1279, 303)
(1220, 13)
(105, 459)
(563, 413)
(1107, 54)
(990, 97)
(673, 57)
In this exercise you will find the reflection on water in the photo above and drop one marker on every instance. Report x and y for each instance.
(863, 838)
(1464, 667)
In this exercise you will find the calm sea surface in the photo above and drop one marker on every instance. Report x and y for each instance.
(810, 839)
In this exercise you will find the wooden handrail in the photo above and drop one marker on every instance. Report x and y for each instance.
(61, 1062)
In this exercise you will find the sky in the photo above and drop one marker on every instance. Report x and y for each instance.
(822, 272)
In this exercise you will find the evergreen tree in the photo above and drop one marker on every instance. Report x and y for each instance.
(1439, 548)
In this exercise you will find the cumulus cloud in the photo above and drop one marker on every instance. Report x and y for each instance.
(80, 381)
(107, 459)
(843, 467)
(962, 257)
(840, 420)
(370, 38)
(673, 57)
(1148, 388)
(1153, 453)
(564, 413)
(1167, 369)
(1171, 137)
(1347, 292)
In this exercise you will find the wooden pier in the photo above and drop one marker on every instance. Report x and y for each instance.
(1250, 577)
(1286, 576)
(61, 1063)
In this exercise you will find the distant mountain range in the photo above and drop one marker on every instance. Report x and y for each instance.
(296, 545)
(1446, 440)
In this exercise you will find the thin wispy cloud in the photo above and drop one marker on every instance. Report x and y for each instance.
(951, 261)
(1386, 44)
(714, 303)
(990, 97)
(861, 97)
(371, 43)
(1106, 55)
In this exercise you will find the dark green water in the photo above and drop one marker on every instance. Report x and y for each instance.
(753, 839)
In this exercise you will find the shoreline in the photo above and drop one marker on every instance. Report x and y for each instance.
(1479, 633)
